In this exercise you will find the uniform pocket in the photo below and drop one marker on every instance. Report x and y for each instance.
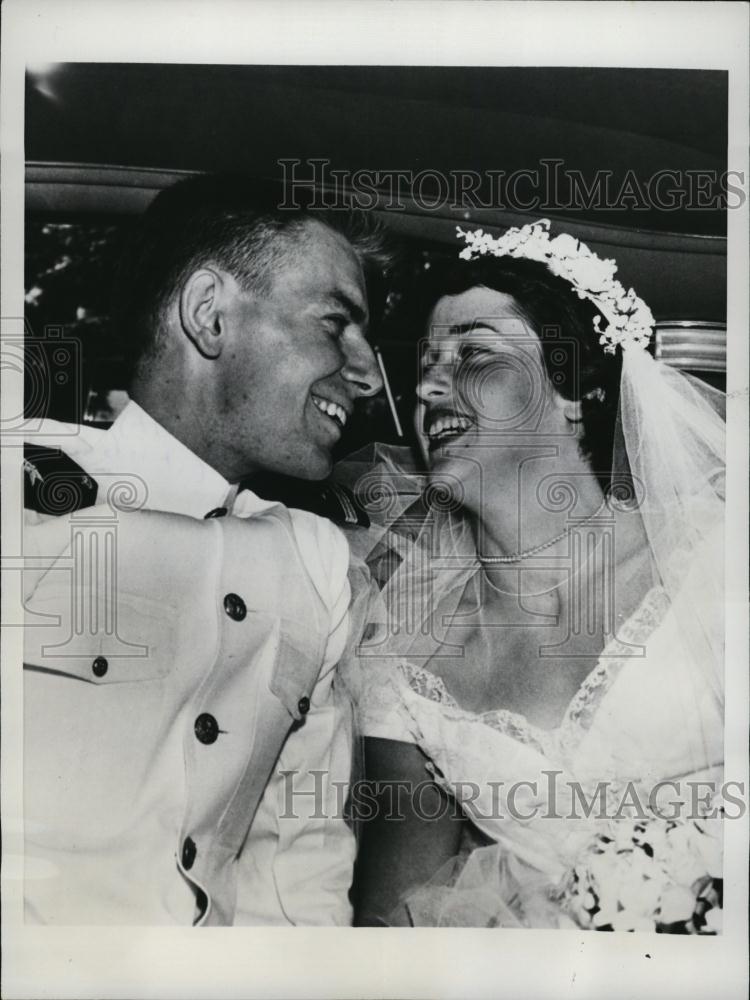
(129, 639)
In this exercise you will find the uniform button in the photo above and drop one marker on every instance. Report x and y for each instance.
(189, 851)
(235, 607)
(100, 666)
(303, 705)
(216, 512)
(206, 728)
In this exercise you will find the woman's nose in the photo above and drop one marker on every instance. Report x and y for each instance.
(434, 384)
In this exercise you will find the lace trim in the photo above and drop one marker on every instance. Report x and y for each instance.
(423, 682)
(618, 651)
(582, 708)
(431, 687)
(518, 727)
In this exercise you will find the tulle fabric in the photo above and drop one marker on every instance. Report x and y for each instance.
(491, 888)
(672, 441)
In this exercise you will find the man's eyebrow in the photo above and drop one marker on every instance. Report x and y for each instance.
(357, 313)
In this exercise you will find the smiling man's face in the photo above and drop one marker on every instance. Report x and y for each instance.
(299, 360)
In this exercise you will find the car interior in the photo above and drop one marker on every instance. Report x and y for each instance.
(103, 139)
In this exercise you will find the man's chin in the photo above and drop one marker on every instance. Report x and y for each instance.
(311, 471)
(278, 479)
(315, 468)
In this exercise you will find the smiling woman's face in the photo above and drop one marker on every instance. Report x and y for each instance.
(484, 391)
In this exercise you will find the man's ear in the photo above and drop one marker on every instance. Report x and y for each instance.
(200, 312)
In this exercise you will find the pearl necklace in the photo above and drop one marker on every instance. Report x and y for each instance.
(519, 556)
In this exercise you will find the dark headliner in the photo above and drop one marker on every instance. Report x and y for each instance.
(207, 117)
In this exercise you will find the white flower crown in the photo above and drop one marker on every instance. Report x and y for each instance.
(630, 321)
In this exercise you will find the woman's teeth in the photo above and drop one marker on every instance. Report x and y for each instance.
(338, 413)
(446, 427)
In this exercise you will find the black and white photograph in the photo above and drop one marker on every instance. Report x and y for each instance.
(375, 459)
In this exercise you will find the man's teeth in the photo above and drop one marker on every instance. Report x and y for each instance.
(448, 427)
(331, 409)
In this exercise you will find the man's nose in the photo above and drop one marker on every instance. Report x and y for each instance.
(361, 368)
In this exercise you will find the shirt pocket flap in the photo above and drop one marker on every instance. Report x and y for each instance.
(297, 667)
(133, 641)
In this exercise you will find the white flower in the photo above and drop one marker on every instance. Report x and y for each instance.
(632, 922)
(709, 846)
(604, 917)
(714, 920)
(534, 248)
(591, 273)
(635, 873)
(643, 315)
(640, 895)
(682, 857)
(564, 245)
(677, 903)
(630, 321)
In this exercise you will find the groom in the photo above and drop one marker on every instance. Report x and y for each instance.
(181, 643)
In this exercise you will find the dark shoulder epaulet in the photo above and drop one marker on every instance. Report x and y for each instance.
(55, 484)
(326, 499)
(340, 505)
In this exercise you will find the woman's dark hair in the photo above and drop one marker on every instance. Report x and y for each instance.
(574, 359)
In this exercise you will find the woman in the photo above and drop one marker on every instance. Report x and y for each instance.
(553, 650)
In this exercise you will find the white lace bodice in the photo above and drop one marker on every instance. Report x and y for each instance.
(605, 733)
(382, 711)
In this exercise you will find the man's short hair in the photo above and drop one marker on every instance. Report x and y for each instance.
(233, 222)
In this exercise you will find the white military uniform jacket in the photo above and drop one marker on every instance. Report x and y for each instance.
(186, 757)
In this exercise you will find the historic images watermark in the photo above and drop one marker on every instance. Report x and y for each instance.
(549, 186)
(547, 796)
(43, 363)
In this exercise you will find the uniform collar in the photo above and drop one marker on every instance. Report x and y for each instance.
(178, 481)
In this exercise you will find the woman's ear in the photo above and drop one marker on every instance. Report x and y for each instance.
(200, 314)
(572, 410)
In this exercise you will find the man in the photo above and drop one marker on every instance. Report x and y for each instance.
(181, 640)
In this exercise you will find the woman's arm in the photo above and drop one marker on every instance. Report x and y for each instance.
(401, 847)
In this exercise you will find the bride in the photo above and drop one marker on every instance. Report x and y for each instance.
(543, 710)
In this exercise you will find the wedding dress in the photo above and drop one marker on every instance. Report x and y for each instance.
(632, 724)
